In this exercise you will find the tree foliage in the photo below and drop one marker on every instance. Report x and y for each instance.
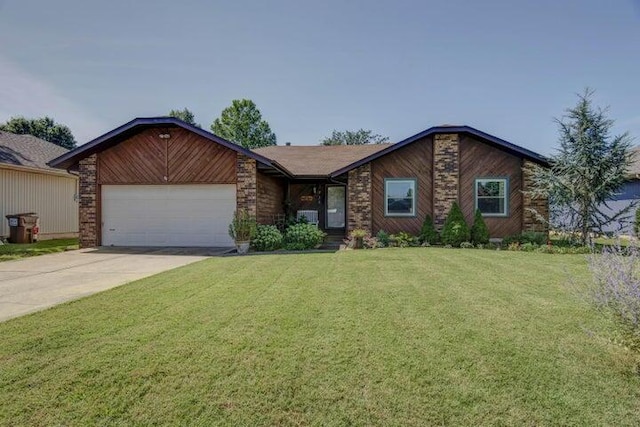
(185, 115)
(588, 169)
(479, 230)
(455, 229)
(242, 124)
(358, 137)
(44, 128)
(428, 233)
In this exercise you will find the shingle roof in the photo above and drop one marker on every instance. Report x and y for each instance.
(27, 150)
(318, 160)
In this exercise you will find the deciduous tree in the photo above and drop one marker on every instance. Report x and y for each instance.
(45, 128)
(242, 123)
(358, 137)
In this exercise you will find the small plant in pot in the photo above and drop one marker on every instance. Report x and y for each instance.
(358, 236)
(242, 229)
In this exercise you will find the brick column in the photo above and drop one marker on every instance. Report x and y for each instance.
(446, 165)
(88, 202)
(246, 189)
(533, 208)
(359, 199)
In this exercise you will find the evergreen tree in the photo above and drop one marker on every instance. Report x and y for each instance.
(479, 230)
(428, 233)
(455, 229)
(587, 171)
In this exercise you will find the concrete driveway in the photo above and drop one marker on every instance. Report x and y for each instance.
(39, 282)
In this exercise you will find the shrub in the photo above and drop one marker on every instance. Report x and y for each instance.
(615, 291)
(403, 239)
(383, 238)
(268, 238)
(356, 238)
(243, 226)
(455, 230)
(299, 237)
(536, 237)
(466, 245)
(636, 223)
(479, 230)
(428, 233)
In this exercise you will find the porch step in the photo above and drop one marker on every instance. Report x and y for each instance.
(333, 241)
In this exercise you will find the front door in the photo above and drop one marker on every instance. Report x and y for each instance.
(335, 206)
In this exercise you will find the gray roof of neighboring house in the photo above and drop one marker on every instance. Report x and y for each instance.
(29, 151)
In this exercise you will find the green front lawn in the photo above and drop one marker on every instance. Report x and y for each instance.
(419, 336)
(11, 251)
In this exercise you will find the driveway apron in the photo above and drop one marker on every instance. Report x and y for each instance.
(35, 283)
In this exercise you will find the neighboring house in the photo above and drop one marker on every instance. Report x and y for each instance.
(162, 182)
(28, 184)
(625, 196)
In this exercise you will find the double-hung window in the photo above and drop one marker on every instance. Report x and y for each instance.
(492, 196)
(400, 197)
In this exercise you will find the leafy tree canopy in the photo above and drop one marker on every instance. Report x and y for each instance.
(185, 115)
(589, 168)
(358, 137)
(45, 128)
(242, 124)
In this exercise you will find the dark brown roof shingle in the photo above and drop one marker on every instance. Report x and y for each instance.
(318, 160)
(27, 150)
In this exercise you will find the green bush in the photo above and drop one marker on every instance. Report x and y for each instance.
(527, 237)
(268, 238)
(383, 239)
(455, 230)
(428, 233)
(243, 226)
(479, 230)
(403, 239)
(299, 237)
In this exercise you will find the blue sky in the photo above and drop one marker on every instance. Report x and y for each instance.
(397, 67)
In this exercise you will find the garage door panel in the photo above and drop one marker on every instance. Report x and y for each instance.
(167, 215)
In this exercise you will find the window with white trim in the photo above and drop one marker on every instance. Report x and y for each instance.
(399, 197)
(491, 196)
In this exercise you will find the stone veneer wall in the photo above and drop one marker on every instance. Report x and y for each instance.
(246, 187)
(88, 202)
(446, 165)
(359, 199)
(533, 208)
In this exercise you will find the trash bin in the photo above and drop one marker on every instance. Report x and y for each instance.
(23, 228)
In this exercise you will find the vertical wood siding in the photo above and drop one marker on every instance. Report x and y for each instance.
(412, 161)
(184, 158)
(50, 196)
(478, 160)
(270, 197)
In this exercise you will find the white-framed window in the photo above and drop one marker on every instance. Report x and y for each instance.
(492, 196)
(400, 197)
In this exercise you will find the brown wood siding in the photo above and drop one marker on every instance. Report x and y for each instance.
(183, 159)
(270, 197)
(412, 161)
(140, 159)
(479, 160)
(194, 159)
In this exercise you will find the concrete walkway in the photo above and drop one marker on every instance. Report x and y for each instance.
(35, 283)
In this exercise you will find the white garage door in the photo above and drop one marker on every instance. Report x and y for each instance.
(167, 215)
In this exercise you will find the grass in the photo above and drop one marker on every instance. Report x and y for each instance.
(11, 251)
(417, 336)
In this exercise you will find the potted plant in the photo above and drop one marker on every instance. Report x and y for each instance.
(358, 236)
(242, 229)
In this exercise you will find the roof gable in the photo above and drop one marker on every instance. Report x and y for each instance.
(483, 136)
(125, 131)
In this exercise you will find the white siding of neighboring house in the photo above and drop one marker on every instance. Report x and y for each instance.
(51, 196)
